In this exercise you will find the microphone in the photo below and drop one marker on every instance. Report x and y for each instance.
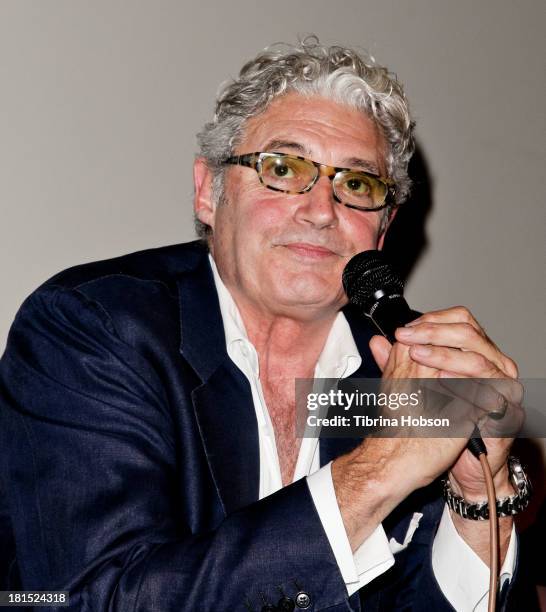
(377, 291)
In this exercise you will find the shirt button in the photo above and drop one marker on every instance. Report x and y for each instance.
(303, 600)
(244, 350)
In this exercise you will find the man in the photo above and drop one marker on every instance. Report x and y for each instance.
(149, 403)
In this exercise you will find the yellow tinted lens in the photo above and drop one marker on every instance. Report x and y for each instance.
(287, 173)
(360, 189)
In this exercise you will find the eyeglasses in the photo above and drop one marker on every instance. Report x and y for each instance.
(295, 174)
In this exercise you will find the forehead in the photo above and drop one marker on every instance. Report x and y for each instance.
(324, 130)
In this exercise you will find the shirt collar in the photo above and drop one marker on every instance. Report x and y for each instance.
(234, 328)
(339, 357)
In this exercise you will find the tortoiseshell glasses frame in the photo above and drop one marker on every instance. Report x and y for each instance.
(295, 175)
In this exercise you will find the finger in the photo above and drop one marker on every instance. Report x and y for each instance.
(502, 399)
(491, 395)
(380, 348)
(463, 336)
(507, 427)
(461, 314)
(465, 363)
(497, 403)
(456, 314)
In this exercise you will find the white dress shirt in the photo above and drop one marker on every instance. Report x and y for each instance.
(462, 576)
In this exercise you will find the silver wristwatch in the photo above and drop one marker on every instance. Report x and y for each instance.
(506, 506)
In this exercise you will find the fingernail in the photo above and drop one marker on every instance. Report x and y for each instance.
(412, 323)
(421, 351)
(404, 332)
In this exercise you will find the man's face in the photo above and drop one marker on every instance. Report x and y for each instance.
(283, 254)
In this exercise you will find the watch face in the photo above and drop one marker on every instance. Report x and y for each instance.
(518, 476)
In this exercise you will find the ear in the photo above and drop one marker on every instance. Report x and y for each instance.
(203, 204)
(381, 239)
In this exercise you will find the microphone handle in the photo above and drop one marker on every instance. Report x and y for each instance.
(391, 312)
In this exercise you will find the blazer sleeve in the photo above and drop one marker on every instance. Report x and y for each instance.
(90, 461)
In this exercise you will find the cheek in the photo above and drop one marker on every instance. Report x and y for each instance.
(260, 213)
(362, 229)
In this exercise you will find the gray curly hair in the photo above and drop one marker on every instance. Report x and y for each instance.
(311, 69)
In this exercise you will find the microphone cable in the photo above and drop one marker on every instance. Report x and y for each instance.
(477, 447)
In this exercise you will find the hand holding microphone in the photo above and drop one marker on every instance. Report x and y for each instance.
(447, 343)
(443, 344)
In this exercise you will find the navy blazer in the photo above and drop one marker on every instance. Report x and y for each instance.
(130, 457)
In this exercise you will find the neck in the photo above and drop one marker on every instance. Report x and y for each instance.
(286, 346)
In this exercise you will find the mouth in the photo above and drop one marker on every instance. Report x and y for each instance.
(309, 251)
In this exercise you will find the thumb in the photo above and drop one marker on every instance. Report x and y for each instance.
(381, 349)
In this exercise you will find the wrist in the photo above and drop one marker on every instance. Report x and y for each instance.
(511, 498)
(476, 491)
(365, 491)
(476, 534)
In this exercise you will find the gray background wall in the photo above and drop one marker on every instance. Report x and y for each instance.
(100, 102)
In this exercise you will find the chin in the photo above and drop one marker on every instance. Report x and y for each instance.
(306, 296)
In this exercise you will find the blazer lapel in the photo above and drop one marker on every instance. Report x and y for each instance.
(223, 402)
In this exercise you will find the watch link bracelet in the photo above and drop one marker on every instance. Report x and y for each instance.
(506, 506)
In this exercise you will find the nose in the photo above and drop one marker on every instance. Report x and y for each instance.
(317, 206)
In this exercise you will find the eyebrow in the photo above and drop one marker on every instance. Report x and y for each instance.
(351, 162)
(367, 165)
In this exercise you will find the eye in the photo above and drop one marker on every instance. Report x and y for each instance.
(358, 186)
(282, 170)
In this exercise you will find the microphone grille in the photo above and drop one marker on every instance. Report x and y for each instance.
(365, 274)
